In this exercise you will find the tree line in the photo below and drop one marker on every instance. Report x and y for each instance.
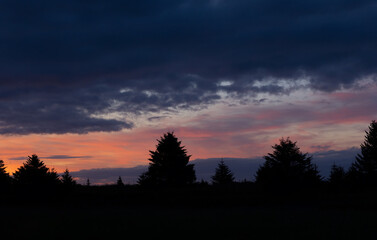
(285, 167)
(34, 172)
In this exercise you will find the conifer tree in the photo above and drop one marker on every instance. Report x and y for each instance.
(287, 166)
(120, 182)
(4, 176)
(35, 172)
(337, 175)
(223, 175)
(169, 164)
(364, 169)
(67, 179)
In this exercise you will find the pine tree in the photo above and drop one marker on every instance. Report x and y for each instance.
(4, 176)
(67, 179)
(364, 169)
(87, 182)
(287, 166)
(35, 172)
(337, 175)
(120, 182)
(169, 164)
(223, 175)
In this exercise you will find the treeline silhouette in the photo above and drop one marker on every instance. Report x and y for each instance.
(286, 169)
(288, 199)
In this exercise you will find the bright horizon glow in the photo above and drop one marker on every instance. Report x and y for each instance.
(316, 120)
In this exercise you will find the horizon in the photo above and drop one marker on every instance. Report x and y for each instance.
(244, 169)
(87, 86)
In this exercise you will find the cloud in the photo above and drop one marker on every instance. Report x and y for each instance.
(321, 147)
(242, 168)
(109, 175)
(52, 157)
(18, 158)
(325, 159)
(65, 157)
(78, 67)
(156, 118)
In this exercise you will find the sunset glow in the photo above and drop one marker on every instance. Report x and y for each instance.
(93, 85)
(318, 122)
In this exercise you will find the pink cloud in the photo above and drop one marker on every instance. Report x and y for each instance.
(335, 120)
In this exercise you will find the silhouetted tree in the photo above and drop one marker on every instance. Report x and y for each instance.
(337, 175)
(203, 183)
(87, 182)
(4, 176)
(67, 179)
(120, 182)
(35, 172)
(364, 169)
(223, 175)
(288, 167)
(169, 164)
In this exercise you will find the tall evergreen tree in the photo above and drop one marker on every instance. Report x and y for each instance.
(364, 169)
(223, 175)
(169, 164)
(67, 179)
(120, 182)
(337, 175)
(287, 166)
(35, 172)
(4, 176)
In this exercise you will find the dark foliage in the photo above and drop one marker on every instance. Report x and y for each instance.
(337, 176)
(223, 175)
(120, 182)
(169, 164)
(67, 179)
(288, 167)
(34, 172)
(364, 169)
(4, 176)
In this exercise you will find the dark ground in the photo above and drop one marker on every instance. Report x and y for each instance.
(128, 213)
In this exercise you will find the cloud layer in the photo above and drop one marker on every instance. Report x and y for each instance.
(79, 67)
(242, 168)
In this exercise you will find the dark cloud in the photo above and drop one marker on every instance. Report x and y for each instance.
(242, 168)
(325, 159)
(157, 118)
(52, 157)
(109, 175)
(65, 63)
(18, 158)
(65, 157)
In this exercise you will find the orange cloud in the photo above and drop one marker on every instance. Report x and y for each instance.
(336, 121)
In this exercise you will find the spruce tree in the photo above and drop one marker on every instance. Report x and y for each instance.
(35, 172)
(288, 167)
(169, 164)
(4, 176)
(337, 175)
(223, 175)
(120, 182)
(67, 179)
(364, 169)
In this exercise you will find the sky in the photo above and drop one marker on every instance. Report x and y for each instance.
(93, 84)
